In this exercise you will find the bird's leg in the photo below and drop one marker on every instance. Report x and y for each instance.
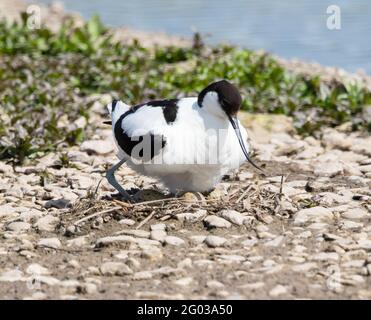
(112, 180)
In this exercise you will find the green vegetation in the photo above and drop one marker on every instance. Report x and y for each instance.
(47, 81)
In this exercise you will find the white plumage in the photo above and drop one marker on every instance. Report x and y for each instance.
(188, 161)
(200, 143)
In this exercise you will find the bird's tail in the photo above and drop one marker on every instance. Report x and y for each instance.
(116, 109)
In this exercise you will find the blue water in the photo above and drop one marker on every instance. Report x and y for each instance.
(289, 28)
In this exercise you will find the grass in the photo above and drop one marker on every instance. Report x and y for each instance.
(47, 81)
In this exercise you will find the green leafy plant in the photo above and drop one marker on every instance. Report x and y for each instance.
(47, 80)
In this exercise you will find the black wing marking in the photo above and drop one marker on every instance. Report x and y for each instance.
(169, 108)
(152, 144)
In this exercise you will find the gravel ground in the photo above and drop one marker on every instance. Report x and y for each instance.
(306, 235)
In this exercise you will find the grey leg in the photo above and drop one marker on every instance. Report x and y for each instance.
(112, 180)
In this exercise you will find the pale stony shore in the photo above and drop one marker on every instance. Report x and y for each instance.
(63, 237)
(306, 235)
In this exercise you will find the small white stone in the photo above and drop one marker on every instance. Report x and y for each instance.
(18, 226)
(215, 241)
(252, 286)
(275, 242)
(198, 239)
(347, 224)
(135, 233)
(78, 242)
(304, 267)
(152, 253)
(184, 264)
(328, 169)
(312, 214)
(356, 213)
(12, 276)
(115, 269)
(49, 243)
(192, 217)
(233, 216)
(184, 282)
(232, 257)
(325, 256)
(174, 241)
(100, 147)
(50, 281)
(249, 242)
(142, 275)
(128, 222)
(365, 244)
(106, 241)
(213, 284)
(158, 235)
(277, 291)
(35, 268)
(47, 223)
(158, 226)
(216, 222)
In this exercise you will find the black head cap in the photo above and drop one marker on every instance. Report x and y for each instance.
(228, 95)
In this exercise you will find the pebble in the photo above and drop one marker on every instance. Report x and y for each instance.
(78, 242)
(50, 281)
(115, 269)
(18, 226)
(174, 241)
(365, 169)
(184, 264)
(232, 257)
(214, 284)
(184, 282)
(50, 243)
(158, 226)
(249, 242)
(198, 239)
(364, 244)
(304, 267)
(192, 217)
(252, 286)
(47, 223)
(312, 214)
(135, 233)
(101, 147)
(325, 256)
(275, 242)
(152, 253)
(142, 275)
(347, 224)
(59, 204)
(356, 213)
(215, 241)
(5, 168)
(12, 276)
(233, 216)
(216, 222)
(35, 268)
(106, 241)
(328, 169)
(278, 291)
(158, 235)
(128, 222)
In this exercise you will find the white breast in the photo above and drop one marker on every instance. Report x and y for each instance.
(199, 148)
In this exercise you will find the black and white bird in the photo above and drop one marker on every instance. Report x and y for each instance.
(189, 144)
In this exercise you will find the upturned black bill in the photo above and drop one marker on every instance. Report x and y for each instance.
(236, 128)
